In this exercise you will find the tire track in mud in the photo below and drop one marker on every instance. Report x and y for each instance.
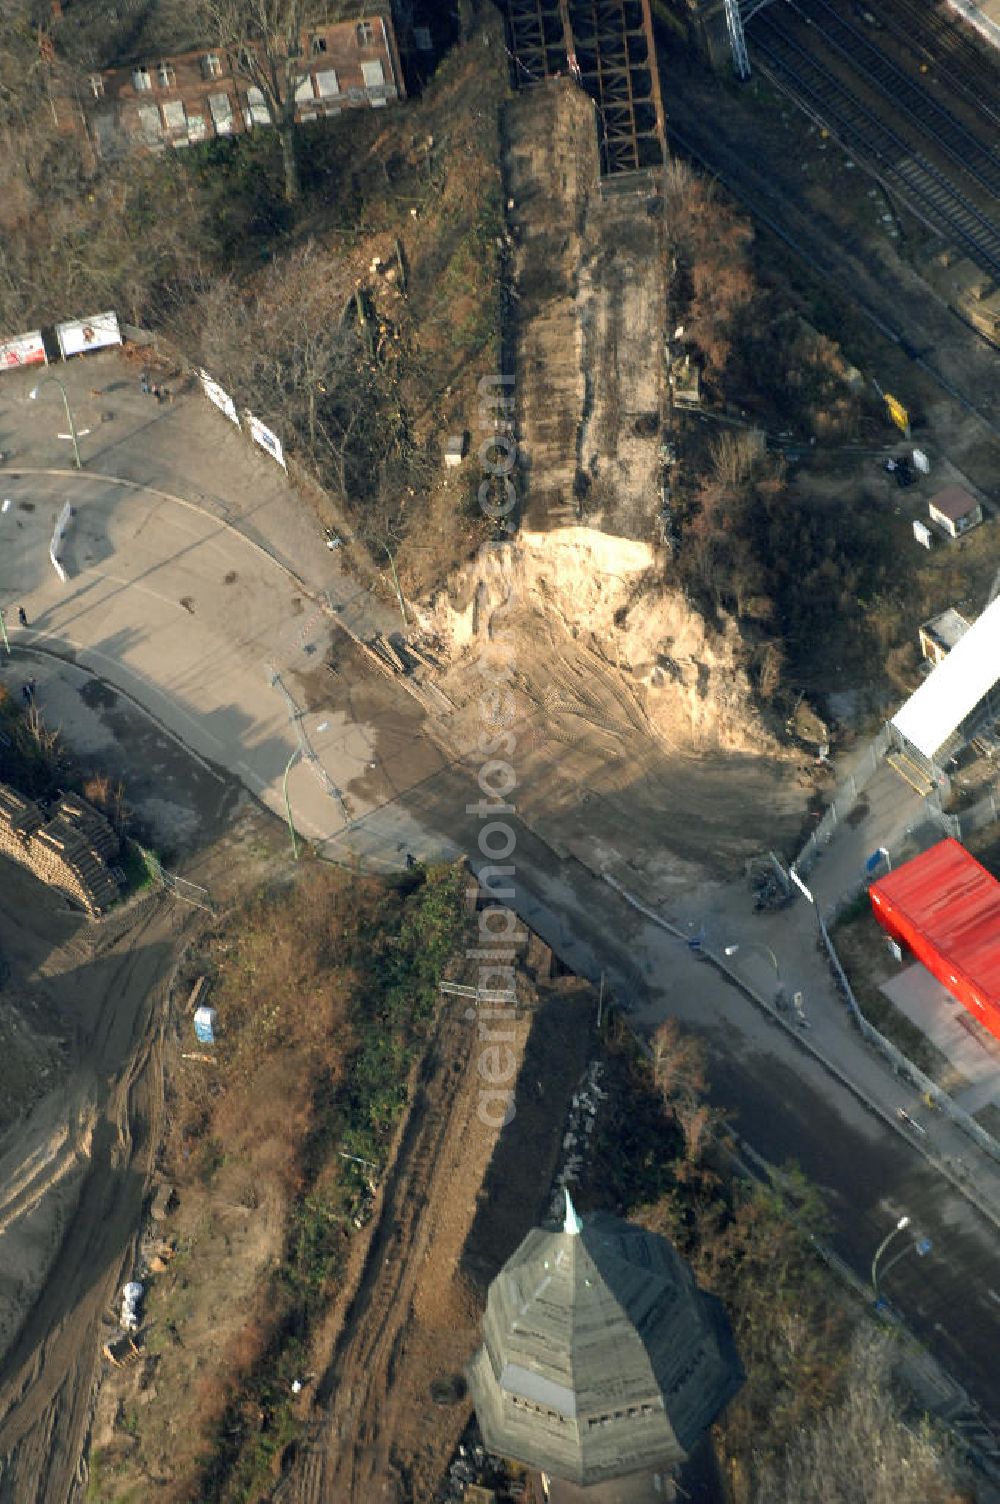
(347, 1458)
(589, 690)
(47, 1379)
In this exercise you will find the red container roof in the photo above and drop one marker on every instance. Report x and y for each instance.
(954, 903)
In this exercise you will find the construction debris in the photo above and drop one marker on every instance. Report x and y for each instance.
(385, 647)
(161, 1202)
(131, 1301)
(121, 1351)
(579, 1127)
(195, 997)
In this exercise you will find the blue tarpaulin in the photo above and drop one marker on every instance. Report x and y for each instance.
(204, 1025)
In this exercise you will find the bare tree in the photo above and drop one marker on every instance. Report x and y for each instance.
(293, 356)
(91, 34)
(678, 1065)
(25, 63)
(862, 1451)
(735, 456)
(264, 41)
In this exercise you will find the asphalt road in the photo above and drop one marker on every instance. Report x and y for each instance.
(789, 1108)
(179, 596)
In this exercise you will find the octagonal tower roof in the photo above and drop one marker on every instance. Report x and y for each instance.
(601, 1357)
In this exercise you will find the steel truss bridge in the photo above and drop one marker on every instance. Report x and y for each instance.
(607, 46)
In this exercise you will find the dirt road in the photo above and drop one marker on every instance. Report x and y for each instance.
(106, 985)
(458, 1200)
(349, 1457)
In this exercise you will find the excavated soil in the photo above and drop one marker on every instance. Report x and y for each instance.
(72, 1175)
(639, 746)
(639, 749)
(75, 1161)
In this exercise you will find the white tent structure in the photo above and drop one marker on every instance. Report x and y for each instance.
(951, 693)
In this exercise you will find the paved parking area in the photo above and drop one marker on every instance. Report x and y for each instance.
(198, 585)
(973, 1052)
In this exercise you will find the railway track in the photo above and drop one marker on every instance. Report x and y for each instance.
(778, 218)
(922, 186)
(954, 57)
(915, 104)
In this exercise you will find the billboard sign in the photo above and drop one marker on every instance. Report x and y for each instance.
(263, 436)
(217, 394)
(79, 336)
(23, 350)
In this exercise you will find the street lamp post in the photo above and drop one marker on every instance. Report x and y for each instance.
(900, 1226)
(395, 581)
(780, 996)
(288, 807)
(920, 1246)
(764, 950)
(33, 394)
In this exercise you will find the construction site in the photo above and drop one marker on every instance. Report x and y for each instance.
(277, 1162)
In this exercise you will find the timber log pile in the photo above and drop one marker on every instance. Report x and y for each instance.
(67, 847)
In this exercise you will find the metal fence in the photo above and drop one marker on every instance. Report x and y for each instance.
(901, 1064)
(985, 812)
(958, 823)
(192, 893)
(844, 800)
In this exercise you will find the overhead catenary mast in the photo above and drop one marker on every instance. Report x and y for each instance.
(737, 41)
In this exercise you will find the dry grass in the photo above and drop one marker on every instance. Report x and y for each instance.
(109, 797)
(302, 982)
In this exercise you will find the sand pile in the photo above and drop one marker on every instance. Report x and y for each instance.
(606, 593)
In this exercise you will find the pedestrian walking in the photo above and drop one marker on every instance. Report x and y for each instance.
(26, 693)
(156, 392)
(144, 384)
(22, 616)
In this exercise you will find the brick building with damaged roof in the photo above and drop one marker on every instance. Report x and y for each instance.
(173, 89)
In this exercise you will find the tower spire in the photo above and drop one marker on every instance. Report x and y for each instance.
(572, 1223)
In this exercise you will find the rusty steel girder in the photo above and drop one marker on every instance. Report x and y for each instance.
(607, 46)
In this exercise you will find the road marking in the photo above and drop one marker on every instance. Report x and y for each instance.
(126, 584)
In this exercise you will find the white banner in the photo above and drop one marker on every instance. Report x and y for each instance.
(77, 336)
(23, 350)
(55, 547)
(217, 394)
(263, 436)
